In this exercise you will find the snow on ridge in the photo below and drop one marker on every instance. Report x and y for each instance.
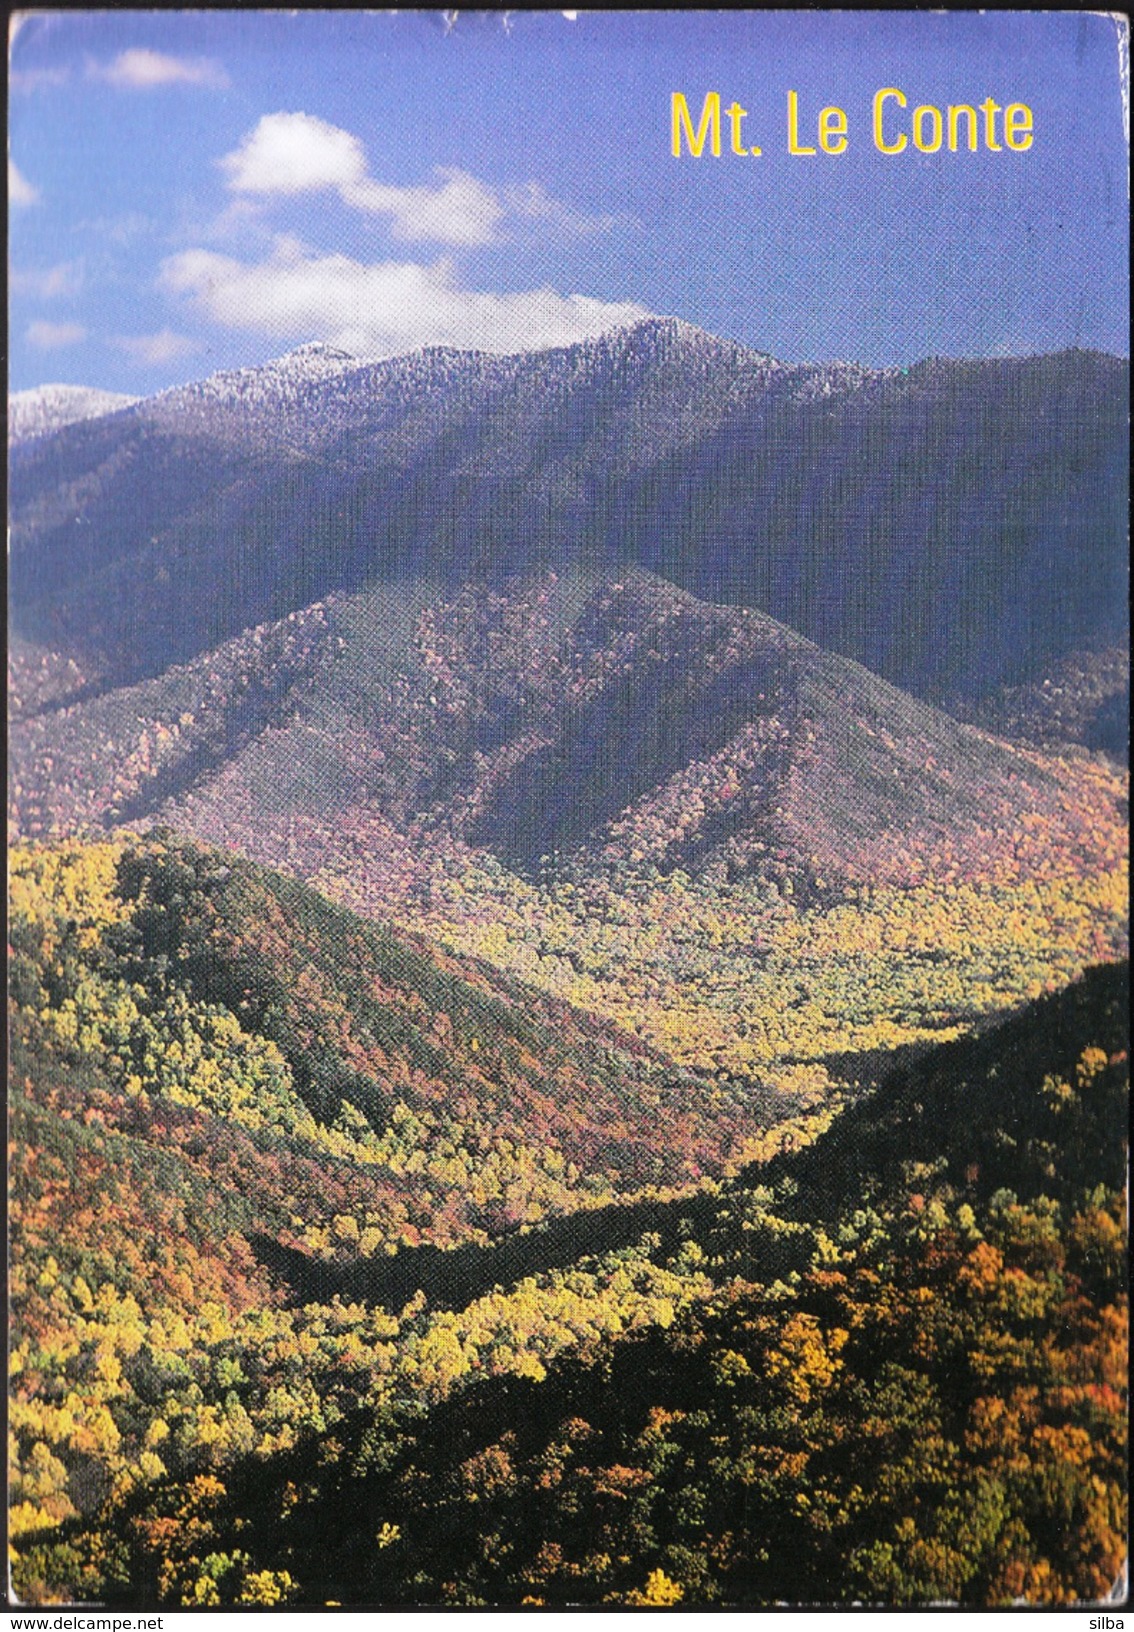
(677, 380)
(282, 378)
(47, 408)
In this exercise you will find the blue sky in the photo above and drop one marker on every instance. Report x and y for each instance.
(195, 191)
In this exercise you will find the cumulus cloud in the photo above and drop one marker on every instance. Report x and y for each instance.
(380, 309)
(156, 349)
(20, 191)
(295, 153)
(142, 69)
(459, 211)
(52, 336)
(292, 153)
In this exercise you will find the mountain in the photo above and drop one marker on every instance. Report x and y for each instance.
(511, 1098)
(748, 853)
(705, 738)
(858, 507)
(48, 408)
(859, 1431)
(863, 1434)
(651, 1411)
(464, 1102)
(379, 626)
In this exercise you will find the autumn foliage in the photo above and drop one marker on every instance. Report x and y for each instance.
(884, 1361)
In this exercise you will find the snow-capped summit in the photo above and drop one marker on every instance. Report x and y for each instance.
(271, 401)
(281, 378)
(315, 352)
(48, 408)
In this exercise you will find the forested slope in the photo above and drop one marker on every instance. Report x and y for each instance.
(773, 1389)
(858, 507)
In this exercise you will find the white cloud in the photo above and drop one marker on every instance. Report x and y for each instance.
(142, 69)
(461, 211)
(64, 279)
(52, 336)
(380, 309)
(292, 153)
(20, 191)
(156, 349)
(295, 153)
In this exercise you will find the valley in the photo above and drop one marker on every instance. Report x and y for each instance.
(568, 918)
(769, 855)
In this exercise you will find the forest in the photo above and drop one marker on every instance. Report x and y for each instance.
(320, 1296)
(568, 919)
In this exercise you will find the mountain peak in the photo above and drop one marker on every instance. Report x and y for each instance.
(270, 388)
(815, 492)
(315, 351)
(665, 334)
(47, 408)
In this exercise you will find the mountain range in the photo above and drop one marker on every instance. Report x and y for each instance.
(470, 713)
(954, 526)
(287, 1326)
(558, 1046)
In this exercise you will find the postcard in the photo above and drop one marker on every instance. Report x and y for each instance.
(568, 716)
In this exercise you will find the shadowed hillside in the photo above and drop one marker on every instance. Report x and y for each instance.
(690, 736)
(859, 508)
